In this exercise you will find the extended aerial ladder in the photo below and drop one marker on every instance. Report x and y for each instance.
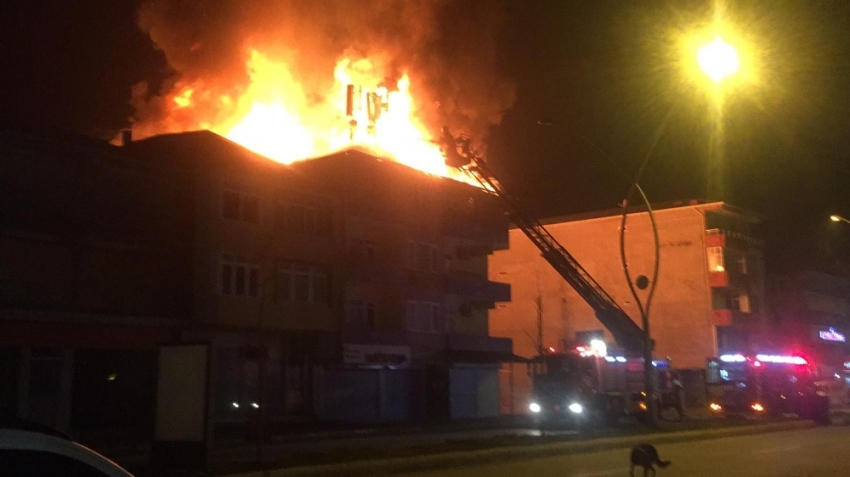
(626, 332)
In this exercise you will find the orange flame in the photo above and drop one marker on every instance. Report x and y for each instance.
(273, 116)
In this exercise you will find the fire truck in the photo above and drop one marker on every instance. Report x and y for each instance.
(765, 385)
(579, 387)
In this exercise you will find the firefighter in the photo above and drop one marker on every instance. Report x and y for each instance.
(671, 396)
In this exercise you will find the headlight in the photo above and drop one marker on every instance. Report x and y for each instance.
(757, 407)
(576, 408)
(715, 407)
(534, 407)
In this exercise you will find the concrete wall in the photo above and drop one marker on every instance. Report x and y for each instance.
(680, 315)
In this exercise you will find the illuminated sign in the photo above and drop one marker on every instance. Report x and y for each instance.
(832, 335)
(733, 358)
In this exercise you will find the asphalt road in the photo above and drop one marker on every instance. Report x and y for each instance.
(813, 452)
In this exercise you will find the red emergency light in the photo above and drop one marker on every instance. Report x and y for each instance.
(759, 359)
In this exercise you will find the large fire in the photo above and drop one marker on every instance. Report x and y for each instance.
(275, 116)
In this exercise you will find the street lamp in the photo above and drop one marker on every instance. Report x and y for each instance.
(838, 218)
(718, 59)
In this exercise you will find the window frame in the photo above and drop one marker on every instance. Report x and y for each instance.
(246, 267)
(423, 257)
(423, 316)
(244, 202)
(293, 271)
(716, 259)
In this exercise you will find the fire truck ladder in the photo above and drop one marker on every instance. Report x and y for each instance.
(625, 331)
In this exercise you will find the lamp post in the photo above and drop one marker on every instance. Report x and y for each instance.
(838, 218)
(642, 282)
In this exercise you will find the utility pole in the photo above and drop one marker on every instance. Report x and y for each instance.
(539, 323)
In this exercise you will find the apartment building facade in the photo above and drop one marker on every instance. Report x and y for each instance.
(416, 292)
(322, 295)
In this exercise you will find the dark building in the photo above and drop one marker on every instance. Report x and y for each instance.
(810, 315)
(93, 275)
(345, 287)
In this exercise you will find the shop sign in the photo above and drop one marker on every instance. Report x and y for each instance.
(376, 355)
(832, 335)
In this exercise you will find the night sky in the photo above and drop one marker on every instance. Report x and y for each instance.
(597, 91)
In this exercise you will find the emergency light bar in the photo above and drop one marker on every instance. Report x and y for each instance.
(769, 358)
(766, 358)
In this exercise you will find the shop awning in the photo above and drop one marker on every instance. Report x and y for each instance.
(481, 356)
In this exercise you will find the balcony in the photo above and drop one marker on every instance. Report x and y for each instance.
(718, 279)
(732, 317)
(372, 272)
(727, 238)
(477, 287)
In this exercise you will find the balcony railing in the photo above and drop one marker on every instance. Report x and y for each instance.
(723, 235)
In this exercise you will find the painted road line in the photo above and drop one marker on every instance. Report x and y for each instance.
(776, 449)
(602, 472)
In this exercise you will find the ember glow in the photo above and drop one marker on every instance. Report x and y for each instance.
(275, 116)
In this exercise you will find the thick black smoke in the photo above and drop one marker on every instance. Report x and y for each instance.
(447, 47)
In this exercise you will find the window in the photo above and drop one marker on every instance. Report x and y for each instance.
(240, 276)
(33, 463)
(305, 215)
(715, 259)
(302, 282)
(362, 250)
(240, 206)
(740, 302)
(423, 316)
(422, 257)
(743, 264)
(360, 314)
(230, 205)
(723, 299)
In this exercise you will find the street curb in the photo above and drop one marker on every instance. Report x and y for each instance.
(505, 454)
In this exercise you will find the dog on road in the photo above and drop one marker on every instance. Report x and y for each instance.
(646, 456)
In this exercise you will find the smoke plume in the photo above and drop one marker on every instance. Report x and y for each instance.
(447, 47)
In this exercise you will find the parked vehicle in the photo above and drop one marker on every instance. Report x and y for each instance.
(28, 449)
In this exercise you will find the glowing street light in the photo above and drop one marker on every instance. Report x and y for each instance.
(838, 218)
(718, 59)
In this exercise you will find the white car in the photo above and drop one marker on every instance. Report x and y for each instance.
(32, 450)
